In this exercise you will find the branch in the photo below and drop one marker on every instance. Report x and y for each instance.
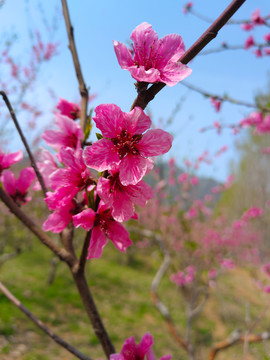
(145, 97)
(84, 252)
(224, 98)
(72, 47)
(31, 157)
(237, 338)
(60, 252)
(92, 312)
(232, 47)
(41, 325)
(230, 22)
(161, 307)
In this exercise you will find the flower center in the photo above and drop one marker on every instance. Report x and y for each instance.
(126, 143)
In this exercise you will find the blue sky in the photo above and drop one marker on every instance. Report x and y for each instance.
(97, 23)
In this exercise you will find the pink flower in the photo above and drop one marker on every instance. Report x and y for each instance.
(187, 7)
(227, 264)
(69, 181)
(247, 26)
(216, 103)
(125, 144)
(103, 225)
(69, 134)
(151, 59)
(266, 269)
(212, 274)
(46, 166)
(249, 42)
(68, 109)
(267, 51)
(194, 180)
(60, 218)
(266, 289)
(256, 18)
(258, 52)
(183, 178)
(8, 159)
(120, 198)
(132, 351)
(253, 212)
(17, 189)
(267, 37)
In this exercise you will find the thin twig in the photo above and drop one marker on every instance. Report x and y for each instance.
(41, 325)
(145, 97)
(92, 312)
(225, 46)
(224, 98)
(230, 22)
(31, 157)
(72, 46)
(84, 252)
(237, 338)
(60, 252)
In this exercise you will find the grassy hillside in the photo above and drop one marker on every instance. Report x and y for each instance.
(121, 291)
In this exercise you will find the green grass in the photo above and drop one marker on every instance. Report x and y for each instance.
(122, 295)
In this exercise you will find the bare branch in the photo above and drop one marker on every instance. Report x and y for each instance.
(224, 98)
(92, 312)
(84, 252)
(60, 252)
(225, 46)
(31, 157)
(145, 97)
(72, 46)
(237, 338)
(41, 325)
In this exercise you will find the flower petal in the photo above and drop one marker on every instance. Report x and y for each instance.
(144, 38)
(132, 169)
(97, 243)
(123, 55)
(174, 72)
(85, 219)
(101, 155)
(136, 121)
(109, 119)
(118, 235)
(155, 142)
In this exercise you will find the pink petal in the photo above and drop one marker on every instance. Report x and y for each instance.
(144, 38)
(171, 48)
(155, 142)
(85, 219)
(117, 357)
(26, 177)
(122, 207)
(9, 182)
(145, 345)
(123, 55)
(97, 243)
(104, 190)
(174, 72)
(129, 349)
(59, 219)
(118, 235)
(140, 74)
(101, 155)
(109, 119)
(136, 121)
(9, 159)
(142, 193)
(132, 169)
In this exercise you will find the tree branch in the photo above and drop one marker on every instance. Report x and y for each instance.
(84, 252)
(72, 47)
(60, 252)
(145, 97)
(92, 312)
(41, 325)
(224, 98)
(31, 157)
(237, 338)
